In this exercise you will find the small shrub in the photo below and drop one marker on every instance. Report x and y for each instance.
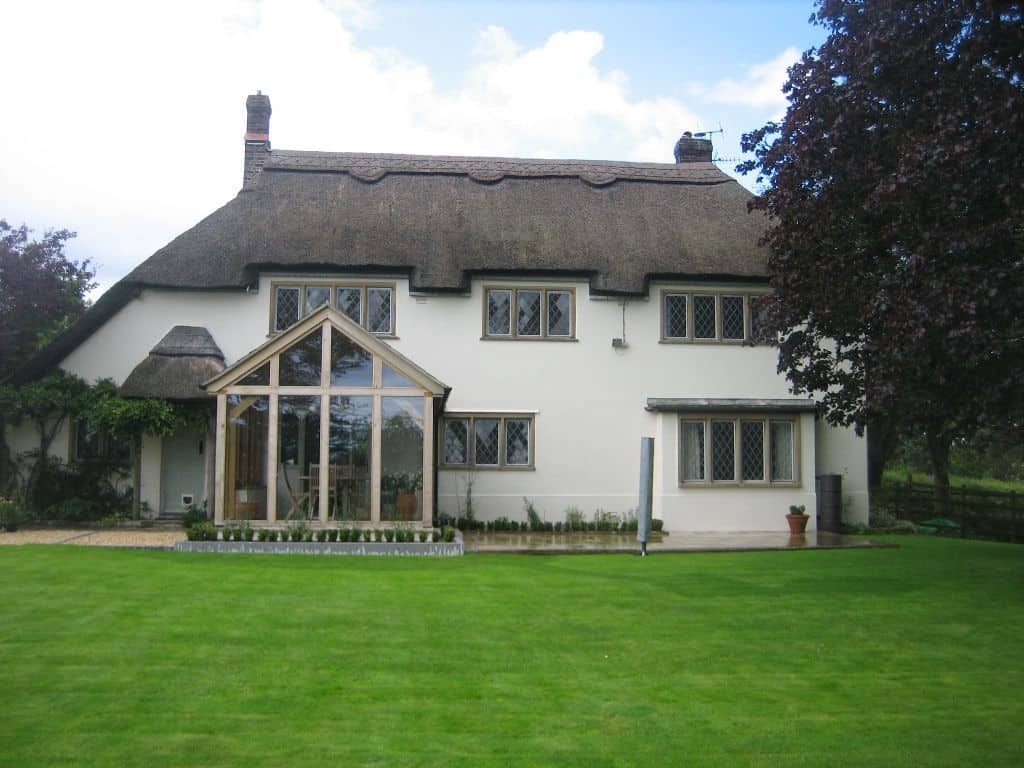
(448, 534)
(263, 535)
(194, 513)
(536, 523)
(203, 531)
(227, 533)
(798, 509)
(74, 510)
(332, 535)
(246, 532)
(422, 536)
(656, 524)
(575, 519)
(321, 535)
(606, 521)
(558, 527)
(297, 532)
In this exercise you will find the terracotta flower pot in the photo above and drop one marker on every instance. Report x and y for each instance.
(797, 523)
(406, 503)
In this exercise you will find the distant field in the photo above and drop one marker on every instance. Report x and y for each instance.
(884, 657)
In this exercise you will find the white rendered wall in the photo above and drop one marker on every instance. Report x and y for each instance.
(841, 452)
(588, 398)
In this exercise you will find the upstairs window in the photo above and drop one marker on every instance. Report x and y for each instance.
(372, 306)
(529, 313)
(706, 317)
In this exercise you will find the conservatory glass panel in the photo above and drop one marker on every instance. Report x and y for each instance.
(401, 458)
(351, 365)
(300, 363)
(298, 457)
(245, 457)
(351, 454)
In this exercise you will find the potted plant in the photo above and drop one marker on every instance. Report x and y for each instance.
(8, 515)
(406, 486)
(797, 518)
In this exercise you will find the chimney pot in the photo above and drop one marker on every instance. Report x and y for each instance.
(691, 150)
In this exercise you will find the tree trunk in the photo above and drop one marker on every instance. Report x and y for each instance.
(938, 449)
(882, 440)
(5, 458)
(136, 477)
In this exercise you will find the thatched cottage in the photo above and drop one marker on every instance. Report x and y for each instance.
(380, 336)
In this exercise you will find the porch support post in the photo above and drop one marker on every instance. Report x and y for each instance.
(272, 460)
(324, 502)
(325, 424)
(222, 416)
(428, 459)
(375, 468)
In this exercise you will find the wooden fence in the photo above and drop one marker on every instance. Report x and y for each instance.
(981, 514)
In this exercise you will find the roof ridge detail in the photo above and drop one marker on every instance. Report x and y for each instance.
(368, 166)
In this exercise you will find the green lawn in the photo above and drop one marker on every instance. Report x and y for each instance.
(899, 477)
(911, 656)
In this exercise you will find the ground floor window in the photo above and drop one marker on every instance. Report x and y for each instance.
(89, 443)
(487, 441)
(737, 449)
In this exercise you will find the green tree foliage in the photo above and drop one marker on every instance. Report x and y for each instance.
(41, 291)
(47, 403)
(895, 187)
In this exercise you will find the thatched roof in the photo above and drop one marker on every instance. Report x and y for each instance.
(443, 219)
(176, 367)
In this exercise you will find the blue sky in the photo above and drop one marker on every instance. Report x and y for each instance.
(125, 120)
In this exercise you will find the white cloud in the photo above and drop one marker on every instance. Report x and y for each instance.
(125, 119)
(762, 86)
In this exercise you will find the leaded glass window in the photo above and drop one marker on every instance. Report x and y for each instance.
(732, 317)
(517, 442)
(675, 316)
(486, 441)
(316, 297)
(723, 458)
(752, 450)
(704, 317)
(349, 301)
(499, 313)
(378, 310)
(559, 313)
(456, 441)
(782, 451)
(286, 306)
(693, 451)
(528, 313)
(741, 449)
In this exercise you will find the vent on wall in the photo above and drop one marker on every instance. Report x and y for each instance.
(187, 499)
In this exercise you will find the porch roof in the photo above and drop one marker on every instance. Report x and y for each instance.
(729, 404)
(176, 367)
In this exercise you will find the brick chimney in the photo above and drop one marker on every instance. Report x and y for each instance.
(257, 137)
(691, 150)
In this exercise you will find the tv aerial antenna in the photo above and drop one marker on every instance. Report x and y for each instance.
(716, 158)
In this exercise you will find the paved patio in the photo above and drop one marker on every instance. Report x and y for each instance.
(575, 543)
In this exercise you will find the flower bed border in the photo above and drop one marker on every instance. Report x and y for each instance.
(351, 548)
